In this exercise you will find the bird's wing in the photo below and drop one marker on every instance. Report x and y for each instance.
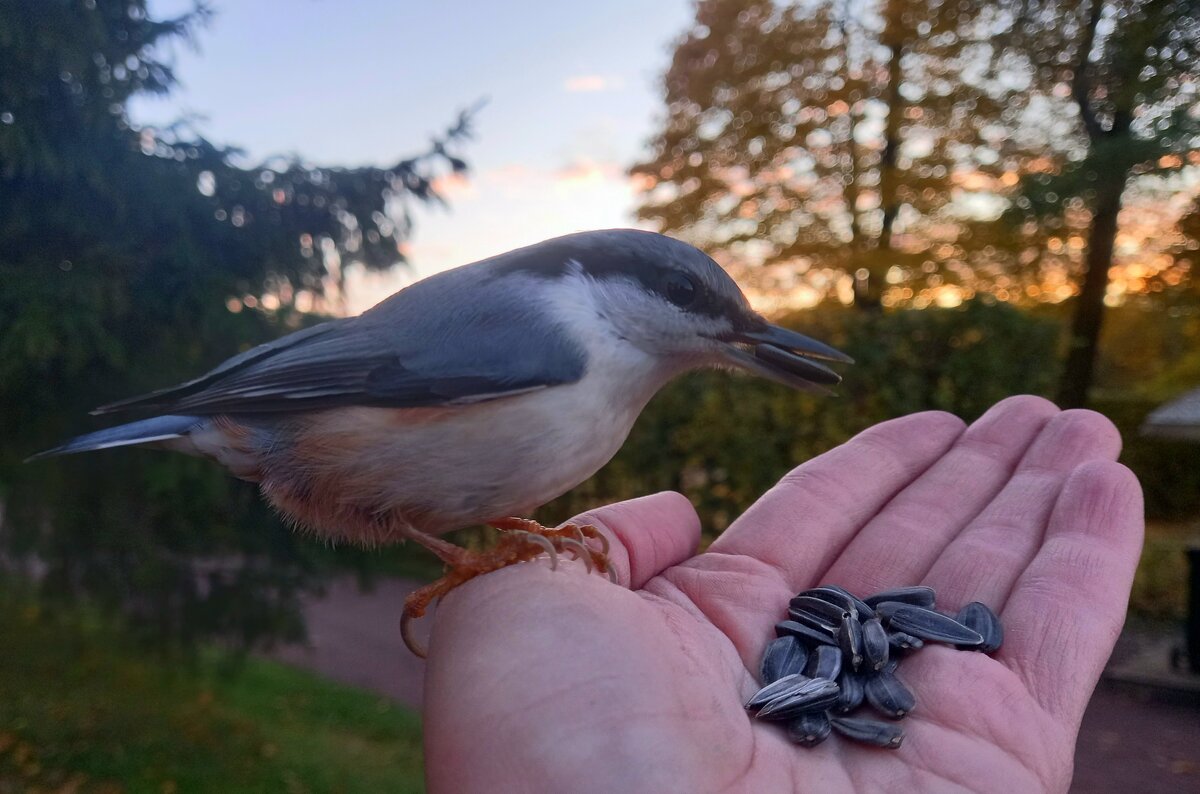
(402, 354)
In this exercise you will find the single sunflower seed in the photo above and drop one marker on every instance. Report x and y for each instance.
(784, 656)
(851, 687)
(850, 640)
(824, 662)
(864, 611)
(814, 622)
(816, 694)
(834, 595)
(931, 626)
(774, 689)
(806, 634)
(900, 641)
(919, 595)
(875, 644)
(820, 609)
(809, 729)
(979, 618)
(890, 697)
(885, 609)
(872, 732)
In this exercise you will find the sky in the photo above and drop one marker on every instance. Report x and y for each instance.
(572, 94)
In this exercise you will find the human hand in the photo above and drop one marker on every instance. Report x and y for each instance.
(557, 681)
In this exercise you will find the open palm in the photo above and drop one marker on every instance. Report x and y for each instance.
(544, 680)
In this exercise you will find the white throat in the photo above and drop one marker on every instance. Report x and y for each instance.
(591, 311)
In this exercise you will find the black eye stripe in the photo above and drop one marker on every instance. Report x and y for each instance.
(561, 257)
(679, 288)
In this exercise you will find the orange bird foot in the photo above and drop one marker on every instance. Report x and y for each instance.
(521, 540)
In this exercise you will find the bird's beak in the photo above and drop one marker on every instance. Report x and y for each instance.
(784, 356)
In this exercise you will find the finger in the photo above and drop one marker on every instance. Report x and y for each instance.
(984, 561)
(801, 524)
(1068, 606)
(898, 546)
(647, 535)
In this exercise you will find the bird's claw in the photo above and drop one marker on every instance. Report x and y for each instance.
(592, 558)
(553, 541)
(406, 632)
(580, 550)
(539, 540)
(520, 541)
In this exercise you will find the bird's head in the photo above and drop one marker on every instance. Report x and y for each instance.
(674, 303)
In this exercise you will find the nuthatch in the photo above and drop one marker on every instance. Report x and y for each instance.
(481, 392)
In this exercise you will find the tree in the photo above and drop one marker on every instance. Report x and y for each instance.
(126, 258)
(832, 137)
(811, 142)
(1131, 69)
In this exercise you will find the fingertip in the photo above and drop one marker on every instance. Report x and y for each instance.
(654, 532)
(1027, 403)
(1026, 410)
(1078, 428)
(1107, 499)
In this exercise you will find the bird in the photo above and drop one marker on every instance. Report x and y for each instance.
(472, 396)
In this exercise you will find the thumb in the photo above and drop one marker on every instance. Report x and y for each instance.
(648, 534)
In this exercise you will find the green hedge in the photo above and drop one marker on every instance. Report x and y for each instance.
(723, 439)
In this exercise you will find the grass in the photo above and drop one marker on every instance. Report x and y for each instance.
(1160, 587)
(81, 710)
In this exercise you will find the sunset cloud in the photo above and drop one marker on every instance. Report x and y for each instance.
(584, 83)
(502, 207)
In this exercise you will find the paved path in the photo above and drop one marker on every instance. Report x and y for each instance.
(1134, 742)
(1131, 741)
(354, 637)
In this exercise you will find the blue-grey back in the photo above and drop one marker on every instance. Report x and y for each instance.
(464, 335)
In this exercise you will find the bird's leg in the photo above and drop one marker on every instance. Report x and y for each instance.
(520, 540)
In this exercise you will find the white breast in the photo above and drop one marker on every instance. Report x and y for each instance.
(448, 468)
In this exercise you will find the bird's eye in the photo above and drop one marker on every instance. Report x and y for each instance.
(680, 289)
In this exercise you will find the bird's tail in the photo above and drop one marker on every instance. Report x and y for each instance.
(160, 428)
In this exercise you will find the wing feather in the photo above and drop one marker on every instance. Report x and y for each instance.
(401, 354)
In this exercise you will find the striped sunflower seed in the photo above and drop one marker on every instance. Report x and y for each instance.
(928, 625)
(900, 641)
(851, 687)
(919, 595)
(809, 729)
(818, 609)
(816, 694)
(979, 618)
(804, 633)
(833, 595)
(864, 611)
(824, 662)
(875, 644)
(814, 622)
(873, 732)
(774, 689)
(888, 695)
(850, 640)
(783, 657)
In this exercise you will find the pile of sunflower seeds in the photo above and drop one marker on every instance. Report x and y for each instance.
(837, 651)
